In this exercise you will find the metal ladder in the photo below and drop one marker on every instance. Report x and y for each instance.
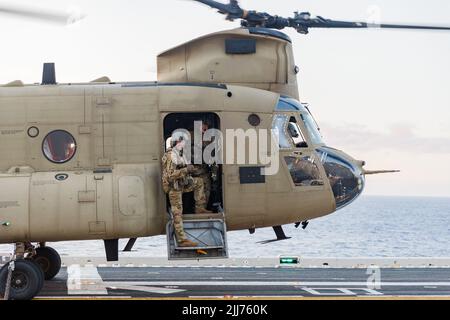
(208, 230)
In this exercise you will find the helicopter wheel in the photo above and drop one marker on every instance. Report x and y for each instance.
(26, 282)
(49, 260)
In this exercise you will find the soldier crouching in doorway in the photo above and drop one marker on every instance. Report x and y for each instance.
(177, 179)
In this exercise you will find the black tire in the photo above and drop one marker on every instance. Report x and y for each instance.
(49, 260)
(41, 276)
(27, 280)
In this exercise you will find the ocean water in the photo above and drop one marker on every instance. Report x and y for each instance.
(372, 226)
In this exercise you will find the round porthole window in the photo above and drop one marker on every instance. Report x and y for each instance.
(59, 146)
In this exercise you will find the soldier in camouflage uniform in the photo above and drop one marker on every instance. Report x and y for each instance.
(304, 171)
(177, 179)
(202, 171)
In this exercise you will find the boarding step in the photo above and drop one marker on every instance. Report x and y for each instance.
(209, 233)
(202, 216)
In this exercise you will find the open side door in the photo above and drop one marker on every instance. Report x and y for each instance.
(208, 230)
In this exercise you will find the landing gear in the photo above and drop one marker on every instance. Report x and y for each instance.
(49, 260)
(27, 280)
(23, 277)
(304, 224)
(279, 232)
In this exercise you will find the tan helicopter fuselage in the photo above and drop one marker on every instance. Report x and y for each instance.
(111, 187)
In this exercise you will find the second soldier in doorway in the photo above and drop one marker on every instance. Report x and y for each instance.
(177, 179)
(201, 170)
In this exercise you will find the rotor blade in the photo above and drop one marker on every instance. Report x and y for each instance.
(214, 4)
(302, 22)
(39, 14)
(232, 10)
(320, 22)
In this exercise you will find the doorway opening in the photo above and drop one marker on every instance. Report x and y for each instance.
(210, 172)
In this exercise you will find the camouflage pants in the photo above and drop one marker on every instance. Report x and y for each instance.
(206, 185)
(176, 203)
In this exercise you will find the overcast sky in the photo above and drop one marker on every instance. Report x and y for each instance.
(382, 96)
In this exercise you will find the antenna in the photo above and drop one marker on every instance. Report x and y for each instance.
(49, 74)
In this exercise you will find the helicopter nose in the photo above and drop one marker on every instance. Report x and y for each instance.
(346, 175)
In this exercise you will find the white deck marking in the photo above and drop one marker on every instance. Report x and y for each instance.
(341, 291)
(372, 291)
(85, 281)
(287, 283)
(131, 286)
(314, 292)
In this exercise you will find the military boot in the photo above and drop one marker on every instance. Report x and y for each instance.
(187, 244)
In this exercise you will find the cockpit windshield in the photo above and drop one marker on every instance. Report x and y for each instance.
(292, 105)
(347, 180)
(312, 128)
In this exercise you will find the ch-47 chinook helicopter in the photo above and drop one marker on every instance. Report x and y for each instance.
(83, 161)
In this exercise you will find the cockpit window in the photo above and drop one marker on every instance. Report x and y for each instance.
(279, 126)
(304, 171)
(296, 134)
(312, 128)
(292, 105)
